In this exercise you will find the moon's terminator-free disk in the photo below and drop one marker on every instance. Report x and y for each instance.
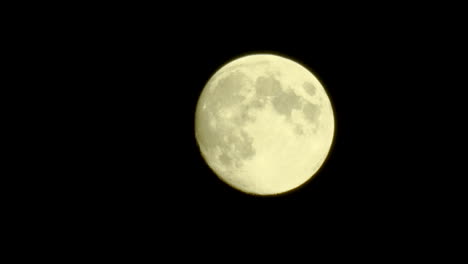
(264, 124)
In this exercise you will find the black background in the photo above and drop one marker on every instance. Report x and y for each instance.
(128, 158)
(146, 109)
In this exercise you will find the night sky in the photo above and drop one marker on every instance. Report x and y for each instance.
(132, 95)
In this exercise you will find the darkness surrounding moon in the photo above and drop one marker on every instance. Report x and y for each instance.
(113, 159)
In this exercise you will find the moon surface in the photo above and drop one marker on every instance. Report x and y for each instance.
(264, 124)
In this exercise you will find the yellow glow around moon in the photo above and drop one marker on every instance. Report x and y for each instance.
(264, 124)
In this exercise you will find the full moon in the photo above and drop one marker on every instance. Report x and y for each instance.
(264, 124)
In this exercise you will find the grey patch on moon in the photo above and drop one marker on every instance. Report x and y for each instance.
(226, 92)
(235, 147)
(267, 86)
(242, 146)
(309, 88)
(258, 103)
(225, 159)
(213, 136)
(240, 149)
(244, 115)
(311, 112)
(246, 149)
(286, 102)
